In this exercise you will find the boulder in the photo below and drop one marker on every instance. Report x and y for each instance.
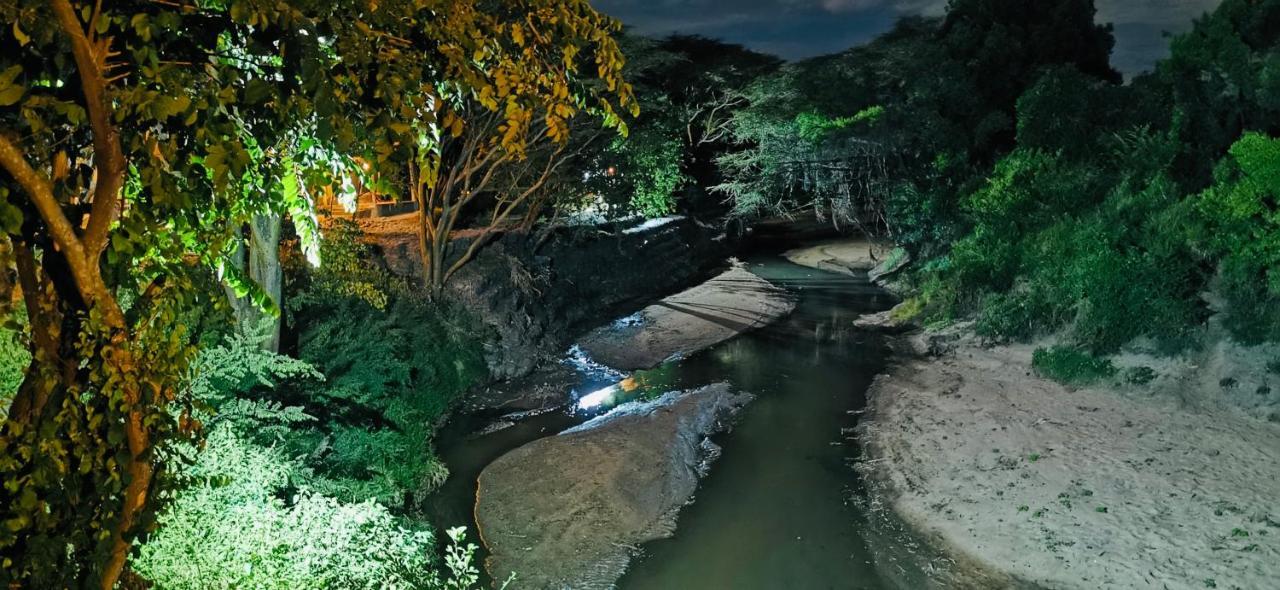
(570, 511)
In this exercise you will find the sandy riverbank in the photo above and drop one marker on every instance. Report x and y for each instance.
(1026, 483)
(1033, 484)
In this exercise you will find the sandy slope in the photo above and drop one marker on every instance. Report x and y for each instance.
(710, 313)
(1074, 489)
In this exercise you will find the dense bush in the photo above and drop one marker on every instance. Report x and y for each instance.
(244, 522)
(1071, 366)
(394, 363)
(251, 512)
(1037, 194)
(1241, 218)
(14, 358)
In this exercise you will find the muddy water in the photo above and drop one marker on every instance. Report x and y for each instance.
(782, 507)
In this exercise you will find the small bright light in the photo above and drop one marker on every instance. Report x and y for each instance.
(596, 398)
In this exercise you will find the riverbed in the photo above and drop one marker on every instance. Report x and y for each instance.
(783, 506)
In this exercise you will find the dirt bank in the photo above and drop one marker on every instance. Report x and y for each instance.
(571, 510)
(710, 313)
(1033, 484)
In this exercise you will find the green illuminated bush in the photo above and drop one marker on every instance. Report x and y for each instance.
(14, 358)
(1099, 252)
(243, 522)
(251, 512)
(394, 363)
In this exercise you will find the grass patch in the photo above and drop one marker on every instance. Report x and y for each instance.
(1071, 366)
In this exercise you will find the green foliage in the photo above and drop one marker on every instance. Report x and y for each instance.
(140, 137)
(1053, 112)
(1071, 366)
(348, 271)
(1095, 226)
(239, 364)
(251, 511)
(14, 359)
(392, 376)
(657, 177)
(394, 363)
(644, 172)
(812, 126)
(943, 97)
(687, 87)
(243, 521)
(1097, 249)
(1241, 225)
(1224, 76)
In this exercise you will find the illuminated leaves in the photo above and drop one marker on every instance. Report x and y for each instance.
(225, 111)
(10, 90)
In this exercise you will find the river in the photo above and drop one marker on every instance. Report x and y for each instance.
(782, 507)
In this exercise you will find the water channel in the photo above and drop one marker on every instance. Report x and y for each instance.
(782, 507)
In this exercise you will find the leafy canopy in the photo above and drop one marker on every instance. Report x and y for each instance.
(135, 141)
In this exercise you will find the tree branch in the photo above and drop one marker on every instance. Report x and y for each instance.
(91, 59)
(64, 235)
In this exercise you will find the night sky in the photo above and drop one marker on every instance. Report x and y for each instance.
(803, 28)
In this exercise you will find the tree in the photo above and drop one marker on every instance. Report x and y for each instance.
(1223, 76)
(507, 138)
(481, 183)
(1005, 45)
(948, 89)
(688, 88)
(136, 141)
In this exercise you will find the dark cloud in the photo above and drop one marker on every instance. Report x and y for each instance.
(796, 29)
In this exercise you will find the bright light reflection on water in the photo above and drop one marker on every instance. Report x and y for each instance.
(597, 398)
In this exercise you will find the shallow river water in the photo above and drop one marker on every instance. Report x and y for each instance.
(782, 507)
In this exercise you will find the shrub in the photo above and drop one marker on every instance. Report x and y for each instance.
(394, 363)
(244, 522)
(1018, 316)
(1240, 224)
(1071, 366)
(1053, 249)
(1139, 375)
(250, 512)
(14, 358)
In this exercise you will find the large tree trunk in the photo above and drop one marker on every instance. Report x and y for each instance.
(259, 256)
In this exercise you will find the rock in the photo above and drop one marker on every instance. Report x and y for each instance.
(570, 511)
(849, 256)
(896, 260)
(884, 323)
(727, 305)
(546, 388)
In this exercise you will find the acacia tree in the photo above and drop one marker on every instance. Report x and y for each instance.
(136, 140)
